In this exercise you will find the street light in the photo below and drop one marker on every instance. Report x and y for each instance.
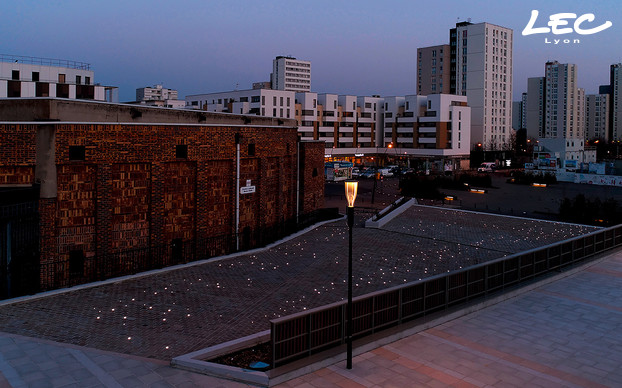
(351, 189)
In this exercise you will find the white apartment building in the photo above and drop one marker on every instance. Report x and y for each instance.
(159, 96)
(437, 125)
(562, 103)
(307, 114)
(289, 73)
(597, 117)
(156, 93)
(368, 123)
(262, 102)
(329, 116)
(347, 124)
(481, 69)
(22, 76)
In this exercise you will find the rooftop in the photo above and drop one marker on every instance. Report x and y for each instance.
(45, 61)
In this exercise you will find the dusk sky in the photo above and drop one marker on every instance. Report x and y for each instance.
(355, 47)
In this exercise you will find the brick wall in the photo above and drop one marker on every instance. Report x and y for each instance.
(133, 190)
(312, 176)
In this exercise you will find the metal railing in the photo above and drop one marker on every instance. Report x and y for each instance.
(306, 333)
(45, 61)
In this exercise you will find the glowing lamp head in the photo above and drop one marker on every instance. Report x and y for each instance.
(351, 188)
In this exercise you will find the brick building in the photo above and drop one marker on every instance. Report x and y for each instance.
(126, 188)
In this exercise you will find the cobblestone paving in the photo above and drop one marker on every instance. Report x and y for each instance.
(176, 312)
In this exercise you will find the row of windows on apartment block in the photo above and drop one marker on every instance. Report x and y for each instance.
(299, 64)
(35, 77)
(281, 100)
(297, 80)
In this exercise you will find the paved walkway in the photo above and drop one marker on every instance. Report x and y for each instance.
(564, 334)
(567, 333)
(31, 362)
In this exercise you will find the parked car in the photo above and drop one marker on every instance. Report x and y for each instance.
(385, 172)
(487, 167)
(368, 174)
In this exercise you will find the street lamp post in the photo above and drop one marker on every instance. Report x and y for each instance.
(351, 189)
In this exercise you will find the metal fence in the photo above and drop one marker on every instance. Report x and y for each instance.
(306, 333)
(45, 61)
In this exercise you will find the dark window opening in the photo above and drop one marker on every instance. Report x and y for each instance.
(78, 80)
(87, 80)
(85, 92)
(251, 149)
(35, 76)
(181, 151)
(177, 250)
(77, 153)
(14, 89)
(62, 90)
(15, 75)
(42, 89)
(76, 262)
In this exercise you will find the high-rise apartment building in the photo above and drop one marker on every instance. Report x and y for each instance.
(556, 112)
(615, 105)
(481, 69)
(534, 112)
(563, 116)
(292, 74)
(597, 116)
(433, 70)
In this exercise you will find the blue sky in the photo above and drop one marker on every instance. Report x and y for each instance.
(356, 47)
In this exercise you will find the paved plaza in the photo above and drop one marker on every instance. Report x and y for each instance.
(126, 332)
(176, 312)
(567, 333)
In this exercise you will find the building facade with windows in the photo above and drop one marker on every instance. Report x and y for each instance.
(22, 76)
(361, 129)
(597, 117)
(615, 104)
(556, 110)
(159, 96)
(481, 69)
(260, 102)
(157, 92)
(437, 126)
(289, 73)
(433, 70)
